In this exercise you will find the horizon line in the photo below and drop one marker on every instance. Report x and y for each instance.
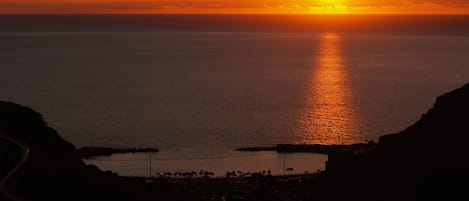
(298, 14)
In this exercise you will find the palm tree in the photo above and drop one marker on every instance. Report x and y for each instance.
(290, 170)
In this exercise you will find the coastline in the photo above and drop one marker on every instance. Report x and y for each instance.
(417, 160)
(90, 152)
(168, 161)
(313, 148)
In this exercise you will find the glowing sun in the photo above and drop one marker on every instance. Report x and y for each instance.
(331, 7)
(330, 3)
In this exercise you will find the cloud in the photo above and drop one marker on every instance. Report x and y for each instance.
(122, 6)
(381, 3)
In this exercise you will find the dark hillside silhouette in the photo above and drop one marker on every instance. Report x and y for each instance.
(54, 170)
(429, 160)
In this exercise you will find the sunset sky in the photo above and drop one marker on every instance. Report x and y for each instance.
(235, 6)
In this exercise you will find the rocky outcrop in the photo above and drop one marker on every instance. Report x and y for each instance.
(427, 161)
(54, 170)
(437, 142)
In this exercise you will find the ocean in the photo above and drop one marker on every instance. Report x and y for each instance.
(198, 93)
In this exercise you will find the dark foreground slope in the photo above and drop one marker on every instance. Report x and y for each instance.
(427, 161)
(54, 170)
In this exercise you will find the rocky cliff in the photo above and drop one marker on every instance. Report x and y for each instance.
(54, 170)
(428, 160)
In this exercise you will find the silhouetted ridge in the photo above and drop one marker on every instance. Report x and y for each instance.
(441, 131)
(429, 160)
(27, 126)
(449, 113)
(54, 170)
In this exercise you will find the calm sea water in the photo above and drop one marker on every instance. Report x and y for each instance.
(198, 95)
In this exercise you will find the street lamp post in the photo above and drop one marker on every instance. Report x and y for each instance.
(149, 170)
(284, 162)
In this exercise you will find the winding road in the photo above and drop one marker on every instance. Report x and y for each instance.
(12, 172)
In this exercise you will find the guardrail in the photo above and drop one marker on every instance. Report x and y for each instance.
(15, 169)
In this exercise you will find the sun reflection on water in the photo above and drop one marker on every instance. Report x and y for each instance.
(329, 116)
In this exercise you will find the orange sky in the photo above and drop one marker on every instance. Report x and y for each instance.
(235, 6)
